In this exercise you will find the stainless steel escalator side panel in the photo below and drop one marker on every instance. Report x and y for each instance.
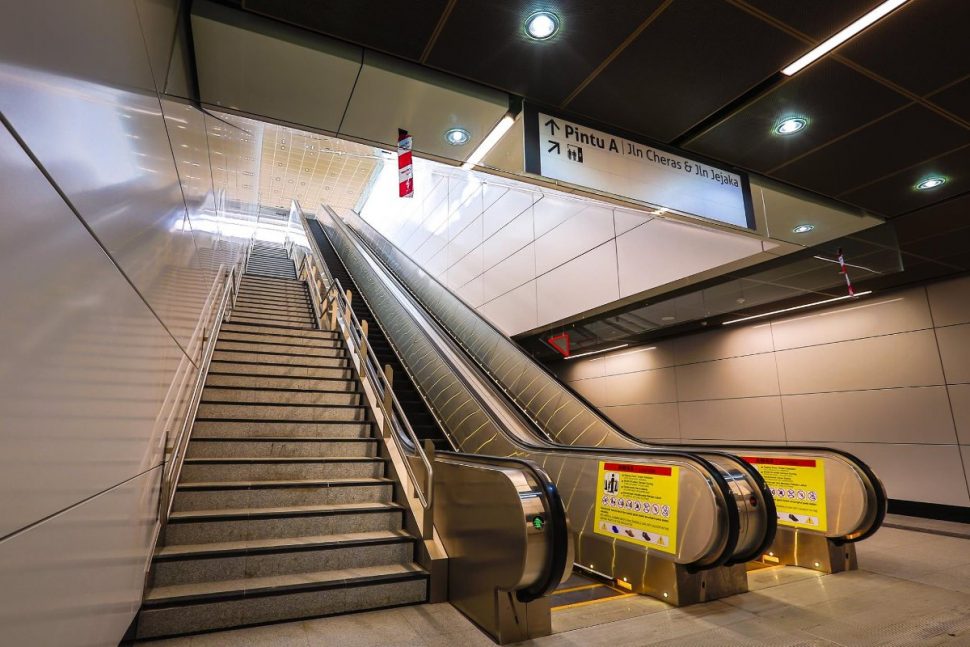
(705, 517)
(853, 511)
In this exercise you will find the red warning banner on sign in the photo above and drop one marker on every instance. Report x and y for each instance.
(405, 171)
(789, 462)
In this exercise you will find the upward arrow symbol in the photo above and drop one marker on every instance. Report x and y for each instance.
(552, 126)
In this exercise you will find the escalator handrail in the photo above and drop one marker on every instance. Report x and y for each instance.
(711, 471)
(875, 483)
(354, 336)
(556, 559)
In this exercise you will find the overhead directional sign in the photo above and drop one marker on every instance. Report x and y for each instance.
(565, 150)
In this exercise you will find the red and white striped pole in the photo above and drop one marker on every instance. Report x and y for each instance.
(405, 171)
(844, 271)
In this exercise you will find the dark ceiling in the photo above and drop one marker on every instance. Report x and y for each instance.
(886, 109)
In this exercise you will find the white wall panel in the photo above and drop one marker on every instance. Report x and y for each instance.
(509, 239)
(77, 578)
(578, 285)
(514, 310)
(506, 207)
(465, 241)
(553, 210)
(662, 251)
(77, 323)
(514, 271)
(466, 269)
(587, 229)
(624, 220)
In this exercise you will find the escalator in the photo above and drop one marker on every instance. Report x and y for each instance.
(421, 419)
(856, 501)
(720, 512)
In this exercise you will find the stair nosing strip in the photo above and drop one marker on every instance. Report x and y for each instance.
(281, 548)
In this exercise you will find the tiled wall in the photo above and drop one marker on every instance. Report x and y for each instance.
(105, 272)
(526, 257)
(887, 378)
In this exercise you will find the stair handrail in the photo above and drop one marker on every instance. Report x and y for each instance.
(395, 425)
(177, 458)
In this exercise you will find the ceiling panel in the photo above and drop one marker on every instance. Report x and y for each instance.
(392, 26)
(921, 46)
(902, 139)
(897, 193)
(955, 98)
(695, 57)
(818, 18)
(834, 99)
(943, 217)
(503, 55)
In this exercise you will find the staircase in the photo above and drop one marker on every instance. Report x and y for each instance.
(283, 509)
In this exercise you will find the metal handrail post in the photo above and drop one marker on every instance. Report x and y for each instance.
(362, 351)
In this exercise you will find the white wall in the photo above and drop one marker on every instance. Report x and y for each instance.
(104, 278)
(526, 257)
(886, 378)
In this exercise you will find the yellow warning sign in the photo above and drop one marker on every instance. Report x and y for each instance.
(638, 504)
(798, 487)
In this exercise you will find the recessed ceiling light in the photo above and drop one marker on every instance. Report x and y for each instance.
(930, 183)
(803, 229)
(790, 125)
(457, 136)
(542, 25)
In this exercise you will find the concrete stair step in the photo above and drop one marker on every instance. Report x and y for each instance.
(334, 380)
(290, 412)
(273, 274)
(281, 340)
(271, 303)
(269, 446)
(275, 468)
(209, 495)
(236, 560)
(262, 280)
(214, 394)
(276, 331)
(273, 317)
(274, 348)
(300, 310)
(256, 370)
(282, 429)
(231, 524)
(190, 608)
(279, 359)
(273, 287)
(264, 322)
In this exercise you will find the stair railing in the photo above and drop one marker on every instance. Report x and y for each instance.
(332, 304)
(173, 467)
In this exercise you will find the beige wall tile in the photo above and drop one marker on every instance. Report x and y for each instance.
(593, 389)
(723, 343)
(643, 387)
(955, 350)
(741, 419)
(907, 415)
(960, 405)
(578, 369)
(628, 360)
(906, 359)
(931, 473)
(737, 377)
(950, 301)
(646, 421)
(898, 312)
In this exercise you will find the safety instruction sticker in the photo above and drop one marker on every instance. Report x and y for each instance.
(798, 487)
(638, 503)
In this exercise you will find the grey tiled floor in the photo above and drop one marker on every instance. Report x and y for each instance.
(913, 588)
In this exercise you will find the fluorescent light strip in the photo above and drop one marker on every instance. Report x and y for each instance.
(595, 352)
(801, 307)
(500, 129)
(867, 20)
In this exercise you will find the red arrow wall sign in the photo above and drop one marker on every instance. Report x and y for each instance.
(560, 343)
